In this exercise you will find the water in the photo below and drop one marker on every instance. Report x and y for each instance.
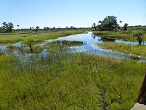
(89, 40)
(3, 48)
(89, 45)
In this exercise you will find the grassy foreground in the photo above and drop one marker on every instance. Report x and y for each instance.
(125, 48)
(69, 82)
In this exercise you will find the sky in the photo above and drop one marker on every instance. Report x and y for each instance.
(77, 13)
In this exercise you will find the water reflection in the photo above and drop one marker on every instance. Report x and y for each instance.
(93, 36)
(88, 46)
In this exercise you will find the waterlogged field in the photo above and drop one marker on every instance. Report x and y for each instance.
(65, 81)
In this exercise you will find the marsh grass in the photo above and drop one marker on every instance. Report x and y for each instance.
(65, 43)
(66, 81)
(137, 50)
(18, 37)
(124, 35)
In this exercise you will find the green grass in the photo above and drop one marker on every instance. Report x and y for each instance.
(36, 38)
(65, 43)
(125, 35)
(137, 50)
(69, 81)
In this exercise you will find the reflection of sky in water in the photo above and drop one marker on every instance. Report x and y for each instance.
(18, 44)
(127, 42)
(88, 46)
(3, 48)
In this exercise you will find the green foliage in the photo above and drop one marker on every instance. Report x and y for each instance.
(109, 23)
(7, 27)
(124, 48)
(125, 26)
(139, 37)
(65, 43)
(94, 26)
(69, 81)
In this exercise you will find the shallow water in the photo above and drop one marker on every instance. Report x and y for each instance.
(88, 46)
(3, 48)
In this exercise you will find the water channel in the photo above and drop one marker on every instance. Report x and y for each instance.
(89, 40)
(89, 45)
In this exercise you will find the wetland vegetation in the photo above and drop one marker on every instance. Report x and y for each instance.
(6, 38)
(124, 48)
(69, 81)
(51, 76)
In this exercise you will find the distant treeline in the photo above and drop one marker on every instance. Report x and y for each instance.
(9, 27)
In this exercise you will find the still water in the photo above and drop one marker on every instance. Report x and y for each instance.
(89, 45)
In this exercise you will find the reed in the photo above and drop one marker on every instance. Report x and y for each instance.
(137, 50)
(124, 35)
(62, 80)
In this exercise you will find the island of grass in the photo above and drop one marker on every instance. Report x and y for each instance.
(135, 50)
(121, 34)
(65, 43)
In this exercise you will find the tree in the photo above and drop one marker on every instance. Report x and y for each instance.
(125, 26)
(94, 26)
(99, 26)
(18, 26)
(139, 37)
(1, 29)
(99, 21)
(120, 24)
(37, 28)
(46, 28)
(7, 26)
(109, 23)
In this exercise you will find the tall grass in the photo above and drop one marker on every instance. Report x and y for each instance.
(125, 48)
(125, 35)
(69, 81)
(16, 37)
(65, 43)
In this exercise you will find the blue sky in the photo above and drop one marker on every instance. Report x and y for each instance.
(78, 13)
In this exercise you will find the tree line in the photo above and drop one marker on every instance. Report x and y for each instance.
(9, 27)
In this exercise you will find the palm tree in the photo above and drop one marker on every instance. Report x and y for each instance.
(99, 26)
(99, 21)
(120, 23)
(18, 26)
(94, 26)
(125, 26)
(37, 28)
